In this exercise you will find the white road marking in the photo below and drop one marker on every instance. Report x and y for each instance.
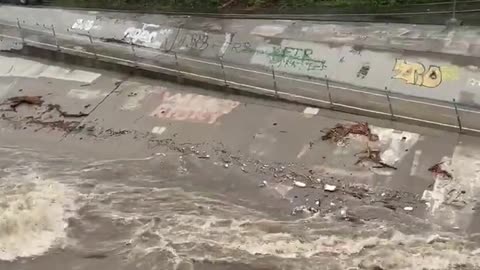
(19, 67)
(416, 161)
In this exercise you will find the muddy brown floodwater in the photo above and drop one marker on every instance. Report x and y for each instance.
(173, 211)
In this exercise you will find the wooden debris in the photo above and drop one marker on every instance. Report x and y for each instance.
(438, 170)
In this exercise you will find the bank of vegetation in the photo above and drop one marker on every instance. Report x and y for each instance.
(261, 6)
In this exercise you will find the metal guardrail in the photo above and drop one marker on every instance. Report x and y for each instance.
(457, 110)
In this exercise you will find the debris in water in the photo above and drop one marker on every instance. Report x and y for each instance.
(304, 209)
(436, 239)
(299, 184)
(347, 216)
(226, 165)
(341, 131)
(369, 266)
(14, 102)
(373, 156)
(299, 209)
(204, 157)
(408, 208)
(330, 188)
(263, 184)
(438, 170)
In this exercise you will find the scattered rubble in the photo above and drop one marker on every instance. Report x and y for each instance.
(58, 108)
(340, 132)
(304, 209)
(438, 170)
(330, 188)
(348, 216)
(299, 184)
(66, 126)
(373, 156)
(14, 102)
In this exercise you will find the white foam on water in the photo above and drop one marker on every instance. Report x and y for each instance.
(224, 232)
(33, 216)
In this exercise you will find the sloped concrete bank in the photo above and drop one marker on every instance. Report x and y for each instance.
(424, 73)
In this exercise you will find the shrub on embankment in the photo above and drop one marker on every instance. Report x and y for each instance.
(295, 6)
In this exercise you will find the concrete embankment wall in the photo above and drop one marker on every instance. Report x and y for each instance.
(400, 71)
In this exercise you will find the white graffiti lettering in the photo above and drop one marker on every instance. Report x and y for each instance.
(474, 82)
(228, 41)
(146, 36)
(85, 25)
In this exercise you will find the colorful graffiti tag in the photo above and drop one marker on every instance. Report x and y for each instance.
(450, 73)
(193, 108)
(415, 73)
(289, 58)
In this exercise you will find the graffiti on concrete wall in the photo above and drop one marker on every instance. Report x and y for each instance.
(192, 107)
(450, 73)
(363, 72)
(149, 35)
(474, 82)
(241, 47)
(291, 58)
(84, 25)
(228, 41)
(202, 41)
(415, 73)
(194, 40)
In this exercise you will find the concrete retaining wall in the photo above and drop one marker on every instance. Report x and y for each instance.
(361, 62)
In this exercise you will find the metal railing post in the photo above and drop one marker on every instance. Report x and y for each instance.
(223, 71)
(392, 115)
(20, 30)
(274, 82)
(133, 53)
(55, 37)
(93, 46)
(328, 91)
(459, 121)
(179, 74)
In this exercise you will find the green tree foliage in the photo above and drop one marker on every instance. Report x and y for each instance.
(309, 6)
